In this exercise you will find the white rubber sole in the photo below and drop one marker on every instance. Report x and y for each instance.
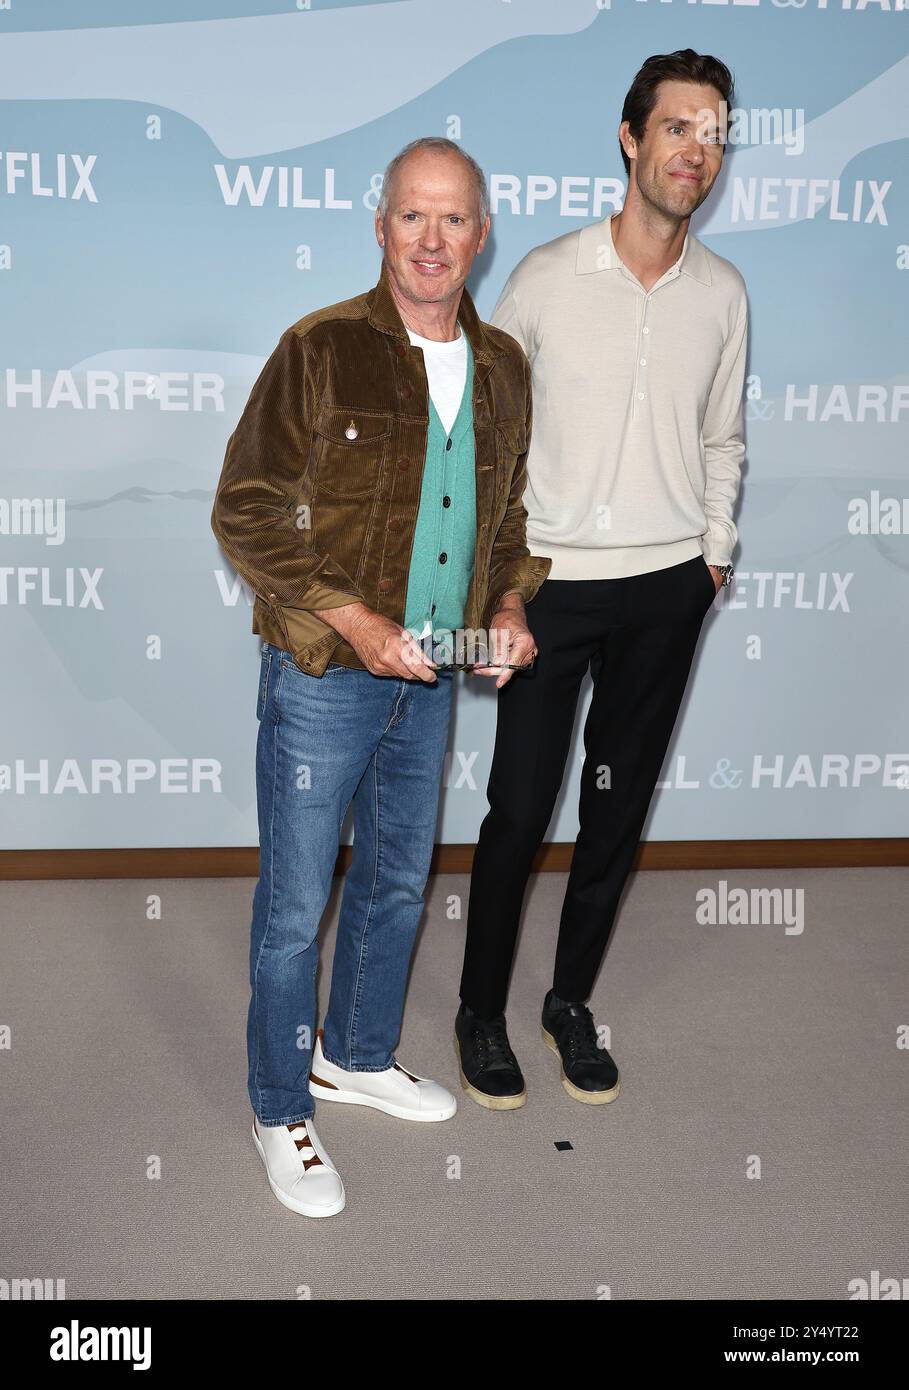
(338, 1096)
(585, 1097)
(301, 1208)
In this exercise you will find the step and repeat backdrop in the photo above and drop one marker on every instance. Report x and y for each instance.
(181, 180)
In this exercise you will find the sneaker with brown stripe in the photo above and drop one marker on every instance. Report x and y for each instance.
(300, 1173)
(394, 1090)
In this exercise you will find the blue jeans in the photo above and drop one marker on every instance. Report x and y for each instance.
(324, 742)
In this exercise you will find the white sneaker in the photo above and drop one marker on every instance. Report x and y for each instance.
(300, 1173)
(395, 1091)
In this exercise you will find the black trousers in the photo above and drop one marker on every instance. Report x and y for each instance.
(638, 636)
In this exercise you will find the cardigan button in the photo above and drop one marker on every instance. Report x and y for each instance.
(446, 501)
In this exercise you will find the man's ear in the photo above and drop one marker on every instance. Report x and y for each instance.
(628, 141)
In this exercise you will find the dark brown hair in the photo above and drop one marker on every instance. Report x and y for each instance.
(682, 66)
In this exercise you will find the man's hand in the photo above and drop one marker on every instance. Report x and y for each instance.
(510, 640)
(384, 648)
(717, 577)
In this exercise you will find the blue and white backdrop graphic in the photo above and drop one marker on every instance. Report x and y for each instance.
(182, 179)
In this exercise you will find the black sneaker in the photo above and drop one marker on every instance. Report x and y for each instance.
(489, 1069)
(588, 1072)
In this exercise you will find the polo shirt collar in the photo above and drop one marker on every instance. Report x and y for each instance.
(596, 252)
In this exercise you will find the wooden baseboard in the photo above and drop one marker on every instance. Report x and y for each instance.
(243, 862)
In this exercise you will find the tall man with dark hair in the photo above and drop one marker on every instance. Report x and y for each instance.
(636, 334)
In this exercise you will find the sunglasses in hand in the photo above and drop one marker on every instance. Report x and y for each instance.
(483, 665)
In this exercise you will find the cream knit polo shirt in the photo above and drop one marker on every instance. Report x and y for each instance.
(638, 436)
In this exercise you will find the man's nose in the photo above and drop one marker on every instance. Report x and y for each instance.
(432, 237)
(694, 150)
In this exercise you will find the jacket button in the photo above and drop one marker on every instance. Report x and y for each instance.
(392, 523)
(384, 586)
(406, 392)
(403, 463)
(400, 349)
(272, 595)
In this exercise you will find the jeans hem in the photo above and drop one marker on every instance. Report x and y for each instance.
(343, 1067)
(287, 1120)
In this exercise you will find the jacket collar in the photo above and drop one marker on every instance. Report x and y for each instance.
(596, 251)
(383, 315)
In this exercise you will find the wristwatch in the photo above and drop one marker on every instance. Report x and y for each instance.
(725, 570)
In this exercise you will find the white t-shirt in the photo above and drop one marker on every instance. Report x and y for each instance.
(446, 372)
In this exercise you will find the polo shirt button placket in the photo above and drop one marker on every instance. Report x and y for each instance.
(642, 361)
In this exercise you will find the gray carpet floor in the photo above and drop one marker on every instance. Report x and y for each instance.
(737, 1046)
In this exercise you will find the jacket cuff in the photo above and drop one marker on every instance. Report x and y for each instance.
(522, 576)
(309, 640)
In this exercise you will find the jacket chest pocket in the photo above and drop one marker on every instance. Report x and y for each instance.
(351, 449)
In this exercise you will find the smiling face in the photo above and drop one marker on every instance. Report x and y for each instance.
(431, 231)
(675, 163)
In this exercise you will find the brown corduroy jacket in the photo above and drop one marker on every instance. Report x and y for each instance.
(317, 502)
